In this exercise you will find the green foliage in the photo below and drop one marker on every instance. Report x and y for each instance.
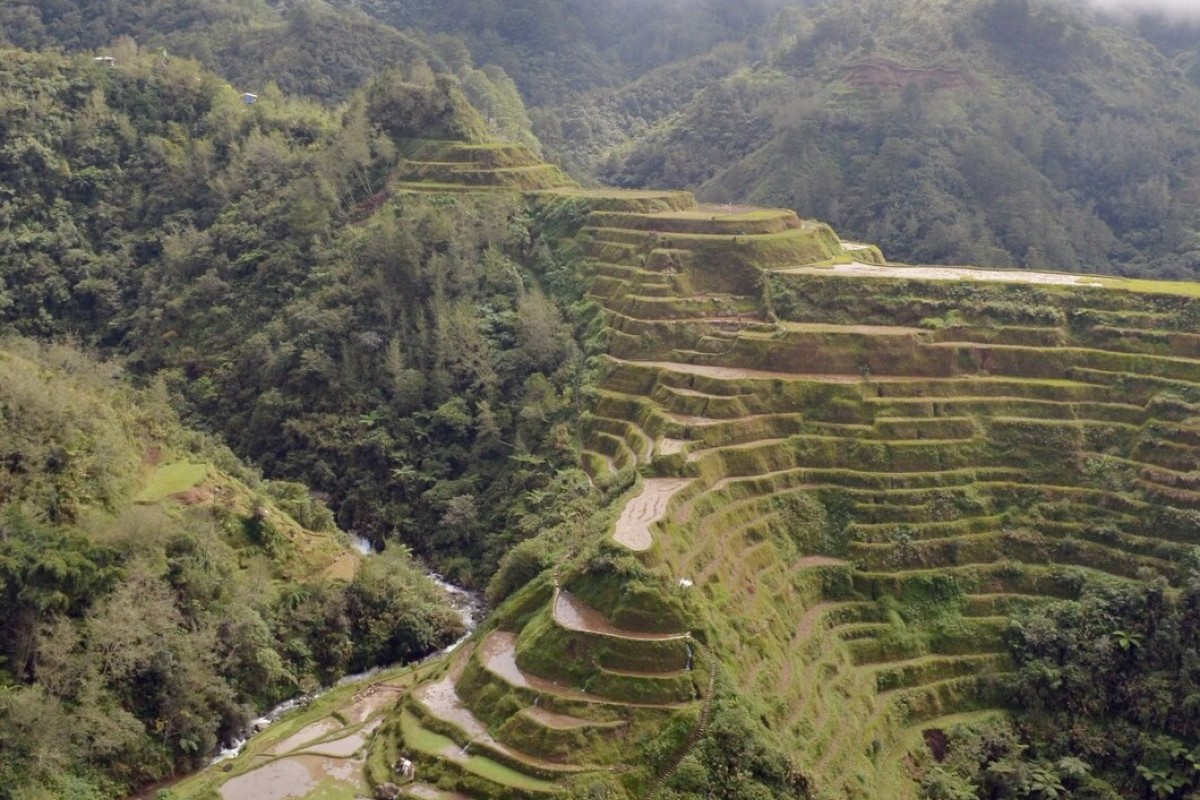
(136, 636)
(736, 759)
(62, 448)
(425, 110)
(394, 614)
(330, 352)
(307, 48)
(518, 567)
(1105, 693)
(45, 572)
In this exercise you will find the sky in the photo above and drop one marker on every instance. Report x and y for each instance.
(1181, 8)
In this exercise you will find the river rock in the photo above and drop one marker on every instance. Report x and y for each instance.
(387, 791)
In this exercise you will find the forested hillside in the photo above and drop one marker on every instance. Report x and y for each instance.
(307, 49)
(993, 132)
(157, 592)
(255, 257)
(759, 514)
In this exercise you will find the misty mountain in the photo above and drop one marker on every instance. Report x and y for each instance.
(1007, 132)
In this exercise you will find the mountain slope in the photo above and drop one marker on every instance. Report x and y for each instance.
(1005, 132)
(276, 262)
(157, 592)
(994, 132)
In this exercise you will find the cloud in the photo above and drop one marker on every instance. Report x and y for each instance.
(1189, 9)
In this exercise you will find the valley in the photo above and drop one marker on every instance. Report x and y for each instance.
(300, 348)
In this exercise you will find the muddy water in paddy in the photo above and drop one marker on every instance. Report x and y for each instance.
(442, 699)
(423, 791)
(574, 615)
(310, 762)
(304, 736)
(347, 746)
(292, 778)
(498, 652)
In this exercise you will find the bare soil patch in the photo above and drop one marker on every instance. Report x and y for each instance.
(671, 447)
(371, 701)
(633, 527)
(883, 73)
(808, 622)
(562, 722)
(197, 496)
(811, 562)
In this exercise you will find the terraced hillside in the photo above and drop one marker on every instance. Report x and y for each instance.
(433, 165)
(864, 469)
(845, 477)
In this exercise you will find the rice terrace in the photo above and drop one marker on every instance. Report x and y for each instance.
(838, 481)
(372, 427)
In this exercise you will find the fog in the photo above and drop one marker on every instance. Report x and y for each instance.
(1189, 9)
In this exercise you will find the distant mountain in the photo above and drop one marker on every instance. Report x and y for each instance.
(1005, 132)
(1029, 133)
(999, 132)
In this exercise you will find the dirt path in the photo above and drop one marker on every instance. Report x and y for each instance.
(812, 562)
(684, 419)
(730, 209)
(561, 722)
(808, 623)
(697, 732)
(729, 373)
(735, 373)
(860, 270)
(872, 330)
(633, 527)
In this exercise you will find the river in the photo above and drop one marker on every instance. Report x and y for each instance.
(468, 605)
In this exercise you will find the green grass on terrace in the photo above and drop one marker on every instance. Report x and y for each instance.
(435, 744)
(1183, 288)
(756, 215)
(171, 479)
